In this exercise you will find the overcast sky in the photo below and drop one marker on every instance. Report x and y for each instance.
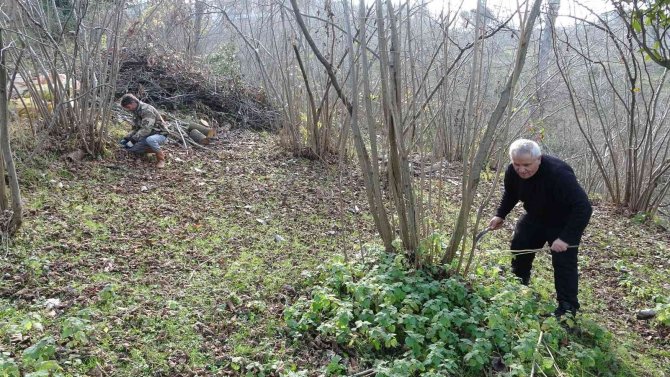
(568, 7)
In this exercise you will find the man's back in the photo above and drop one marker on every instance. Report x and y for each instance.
(552, 196)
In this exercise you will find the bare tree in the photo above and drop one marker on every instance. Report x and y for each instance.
(472, 173)
(199, 9)
(70, 69)
(623, 119)
(12, 216)
(371, 174)
(544, 58)
(400, 178)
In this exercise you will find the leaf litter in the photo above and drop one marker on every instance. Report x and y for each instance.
(186, 270)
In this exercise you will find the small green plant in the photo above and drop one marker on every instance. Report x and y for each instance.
(641, 217)
(620, 265)
(107, 294)
(17, 324)
(35, 266)
(8, 367)
(663, 314)
(33, 321)
(40, 358)
(76, 331)
(41, 351)
(334, 367)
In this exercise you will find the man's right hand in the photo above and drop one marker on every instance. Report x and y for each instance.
(496, 222)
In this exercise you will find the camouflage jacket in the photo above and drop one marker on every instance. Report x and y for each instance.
(147, 121)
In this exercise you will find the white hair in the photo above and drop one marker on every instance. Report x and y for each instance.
(523, 147)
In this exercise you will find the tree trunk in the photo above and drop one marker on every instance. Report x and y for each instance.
(375, 196)
(399, 174)
(17, 208)
(544, 59)
(4, 202)
(484, 145)
(199, 10)
(475, 77)
(313, 117)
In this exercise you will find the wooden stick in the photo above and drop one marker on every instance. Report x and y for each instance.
(539, 340)
(363, 373)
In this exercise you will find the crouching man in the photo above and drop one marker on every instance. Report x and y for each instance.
(557, 211)
(149, 130)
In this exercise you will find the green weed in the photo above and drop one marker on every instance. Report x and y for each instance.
(405, 322)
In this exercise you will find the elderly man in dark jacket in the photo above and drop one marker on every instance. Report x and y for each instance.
(149, 131)
(557, 212)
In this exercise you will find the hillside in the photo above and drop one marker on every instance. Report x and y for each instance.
(124, 270)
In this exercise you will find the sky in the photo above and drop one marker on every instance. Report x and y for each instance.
(568, 7)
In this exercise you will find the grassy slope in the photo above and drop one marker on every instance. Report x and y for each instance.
(623, 269)
(181, 271)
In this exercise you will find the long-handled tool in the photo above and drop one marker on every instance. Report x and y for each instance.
(481, 234)
(515, 252)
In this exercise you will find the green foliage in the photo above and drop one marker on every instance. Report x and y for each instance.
(8, 367)
(40, 358)
(40, 351)
(13, 323)
(34, 265)
(107, 294)
(334, 367)
(663, 313)
(641, 217)
(224, 62)
(76, 330)
(407, 323)
(651, 12)
(650, 17)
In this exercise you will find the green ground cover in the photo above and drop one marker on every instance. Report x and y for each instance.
(122, 270)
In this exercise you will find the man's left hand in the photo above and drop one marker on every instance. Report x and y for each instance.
(559, 246)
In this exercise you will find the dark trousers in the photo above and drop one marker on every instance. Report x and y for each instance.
(532, 235)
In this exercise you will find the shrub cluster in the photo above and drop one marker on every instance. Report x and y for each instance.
(405, 322)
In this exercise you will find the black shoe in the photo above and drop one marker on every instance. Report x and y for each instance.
(523, 280)
(563, 309)
(565, 314)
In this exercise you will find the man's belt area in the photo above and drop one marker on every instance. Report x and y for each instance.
(545, 221)
(163, 132)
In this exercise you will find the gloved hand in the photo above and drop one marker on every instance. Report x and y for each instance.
(126, 143)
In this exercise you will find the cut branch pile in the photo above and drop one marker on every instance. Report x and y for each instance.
(170, 82)
(193, 133)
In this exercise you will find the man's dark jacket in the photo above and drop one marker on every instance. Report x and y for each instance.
(552, 197)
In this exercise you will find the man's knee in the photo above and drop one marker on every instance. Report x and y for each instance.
(155, 141)
(565, 260)
(521, 267)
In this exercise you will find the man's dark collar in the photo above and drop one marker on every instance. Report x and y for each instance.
(540, 169)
